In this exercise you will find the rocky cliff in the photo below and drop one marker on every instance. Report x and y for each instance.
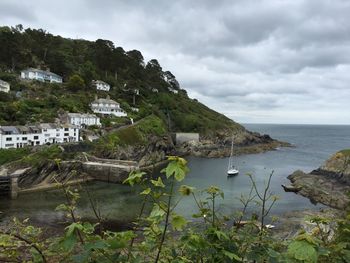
(219, 145)
(329, 184)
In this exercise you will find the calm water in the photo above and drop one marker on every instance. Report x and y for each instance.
(313, 144)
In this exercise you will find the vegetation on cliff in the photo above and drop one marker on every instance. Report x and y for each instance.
(80, 61)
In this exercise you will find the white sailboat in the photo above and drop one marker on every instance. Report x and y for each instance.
(231, 170)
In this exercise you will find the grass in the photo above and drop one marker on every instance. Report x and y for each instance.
(41, 156)
(9, 155)
(137, 134)
(346, 152)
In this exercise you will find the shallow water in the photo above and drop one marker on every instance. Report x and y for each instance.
(120, 203)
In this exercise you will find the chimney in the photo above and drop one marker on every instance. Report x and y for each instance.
(108, 97)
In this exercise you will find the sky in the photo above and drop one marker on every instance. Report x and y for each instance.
(266, 61)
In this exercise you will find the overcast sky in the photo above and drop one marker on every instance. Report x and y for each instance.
(275, 61)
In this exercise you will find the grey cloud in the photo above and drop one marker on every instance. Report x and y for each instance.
(253, 60)
(17, 10)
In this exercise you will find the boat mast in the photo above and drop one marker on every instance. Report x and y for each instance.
(230, 162)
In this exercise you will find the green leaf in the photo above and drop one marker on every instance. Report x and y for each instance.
(302, 250)
(147, 191)
(134, 178)
(186, 190)
(158, 183)
(72, 227)
(177, 168)
(68, 242)
(62, 207)
(157, 211)
(221, 235)
(178, 222)
(99, 244)
(231, 255)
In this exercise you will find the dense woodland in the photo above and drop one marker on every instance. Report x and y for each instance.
(79, 61)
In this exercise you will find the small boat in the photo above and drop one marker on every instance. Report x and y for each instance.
(231, 170)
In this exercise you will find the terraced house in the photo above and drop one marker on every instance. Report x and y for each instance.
(80, 119)
(32, 135)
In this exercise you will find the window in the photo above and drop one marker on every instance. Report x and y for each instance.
(37, 143)
(36, 137)
(9, 145)
(57, 135)
(24, 138)
(66, 134)
(66, 129)
(8, 139)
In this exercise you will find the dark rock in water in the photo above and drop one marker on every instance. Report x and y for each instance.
(290, 188)
(329, 184)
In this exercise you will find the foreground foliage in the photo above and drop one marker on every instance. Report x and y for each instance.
(163, 235)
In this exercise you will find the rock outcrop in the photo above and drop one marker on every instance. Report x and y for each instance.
(245, 142)
(329, 184)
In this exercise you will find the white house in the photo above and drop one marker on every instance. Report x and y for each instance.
(41, 75)
(54, 133)
(4, 86)
(80, 119)
(107, 107)
(154, 90)
(175, 91)
(101, 85)
(32, 135)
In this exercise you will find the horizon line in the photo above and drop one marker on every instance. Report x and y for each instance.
(310, 124)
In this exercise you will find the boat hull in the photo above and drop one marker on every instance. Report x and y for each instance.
(232, 172)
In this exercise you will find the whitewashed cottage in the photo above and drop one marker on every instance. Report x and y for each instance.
(80, 119)
(107, 107)
(40, 75)
(101, 85)
(33, 135)
(4, 86)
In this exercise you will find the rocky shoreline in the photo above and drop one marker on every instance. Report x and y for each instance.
(329, 184)
(48, 174)
(220, 146)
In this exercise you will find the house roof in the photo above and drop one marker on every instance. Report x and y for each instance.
(23, 128)
(8, 129)
(48, 126)
(81, 115)
(41, 71)
(99, 82)
(105, 101)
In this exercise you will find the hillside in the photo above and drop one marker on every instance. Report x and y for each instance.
(79, 62)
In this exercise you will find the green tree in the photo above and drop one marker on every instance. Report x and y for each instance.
(75, 83)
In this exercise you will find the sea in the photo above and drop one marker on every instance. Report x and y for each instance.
(312, 145)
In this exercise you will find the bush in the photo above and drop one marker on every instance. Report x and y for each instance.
(10, 155)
